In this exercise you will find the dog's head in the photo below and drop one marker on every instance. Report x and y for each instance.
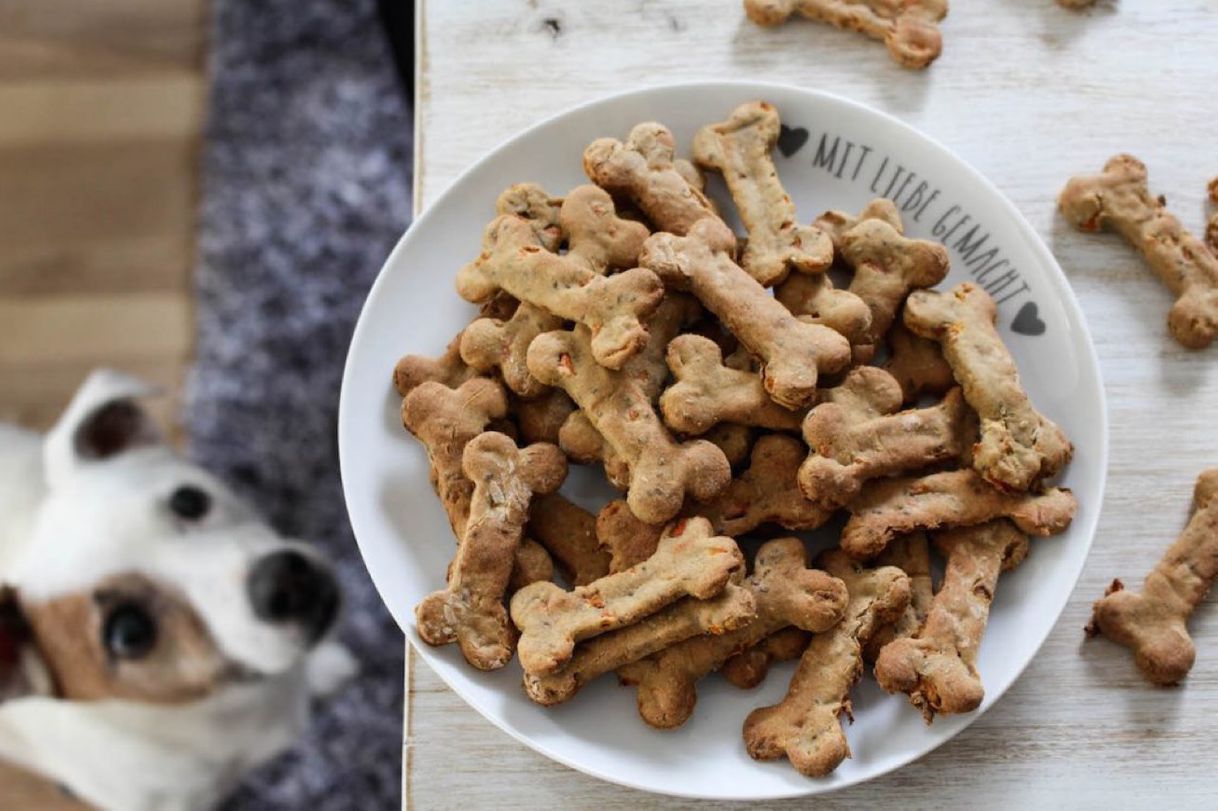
(145, 578)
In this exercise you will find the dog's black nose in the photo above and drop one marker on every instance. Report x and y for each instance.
(288, 587)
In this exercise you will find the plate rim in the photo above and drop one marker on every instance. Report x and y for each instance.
(1059, 283)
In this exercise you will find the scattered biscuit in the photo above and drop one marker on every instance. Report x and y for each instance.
(957, 498)
(887, 268)
(1120, 200)
(707, 392)
(445, 420)
(645, 171)
(854, 442)
(470, 611)
(749, 668)
(662, 471)
(689, 561)
(909, 29)
(786, 593)
(740, 149)
(805, 727)
(793, 352)
(836, 223)
(724, 613)
(917, 363)
(1019, 446)
(767, 493)
(570, 285)
(568, 531)
(1153, 623)
(937, 666)
(531, 202)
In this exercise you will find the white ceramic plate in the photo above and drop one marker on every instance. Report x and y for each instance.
(834, 154)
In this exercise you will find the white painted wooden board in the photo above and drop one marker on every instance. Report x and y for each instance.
(1029, 94)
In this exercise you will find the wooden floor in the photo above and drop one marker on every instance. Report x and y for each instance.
(101, 113)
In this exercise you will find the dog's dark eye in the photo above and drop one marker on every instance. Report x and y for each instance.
(130, 632)
(189, 502)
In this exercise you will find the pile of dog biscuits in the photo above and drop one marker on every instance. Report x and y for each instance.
(730, 390)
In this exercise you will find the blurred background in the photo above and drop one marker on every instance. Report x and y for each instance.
(200, 192)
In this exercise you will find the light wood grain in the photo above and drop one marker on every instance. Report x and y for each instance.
(1030, 94)
(101, 114)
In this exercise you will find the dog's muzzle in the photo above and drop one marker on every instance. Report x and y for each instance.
(286, 587)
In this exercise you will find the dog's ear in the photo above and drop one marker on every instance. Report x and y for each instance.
(103, 420)
(22, 669)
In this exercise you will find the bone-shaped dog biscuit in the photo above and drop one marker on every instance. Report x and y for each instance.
(911, 554)
(917, 363)
(448, 369)
(707, 392)
(767, 493)
(628, 540)
(1119, 200)
(568, 531)
(1153, 622)
(740, 149)
(531, 202)
(689, 561)
(794, 353)
(470, 611)
(851, 446)
(532, 564)
(644, 170)
(570, 285)
(908, 28)
(1019, 446)
(736, 441)
(749, 667)
(836, 223)
(958, 498)
(445, 420)
(805, 726)
(581, 441)
(887, 267)
(815, 300)
(786, 593)
(540, 419)
(937, 666)
(731, 609)
(662, 471)
(491, 343)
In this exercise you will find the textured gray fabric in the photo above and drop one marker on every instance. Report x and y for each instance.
(306, 186)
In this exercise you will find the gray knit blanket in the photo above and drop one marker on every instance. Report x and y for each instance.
(306, 187)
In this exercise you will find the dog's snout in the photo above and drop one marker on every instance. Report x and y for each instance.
(287, 587)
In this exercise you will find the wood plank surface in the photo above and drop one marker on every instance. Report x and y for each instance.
(1030, 94)
(101, 115)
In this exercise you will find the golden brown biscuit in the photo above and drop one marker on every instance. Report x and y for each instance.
(917, 363)
(469, 611)
(805, 727)
(786, 593)
(937, 666)
(1120, 200)
(707, 392)
(644, 171)
(911, 554)
(907, 28)
(1019, 446)
(749, 668)
(568, 531)
(662, 471)
(689, 561)
(814, 300)
(739, 149)
(793, 352)
(570, 285)
(957, 498)
(1153, 622)
(767, 493)
(628, 540)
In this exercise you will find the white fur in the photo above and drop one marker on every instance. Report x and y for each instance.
(68, 522)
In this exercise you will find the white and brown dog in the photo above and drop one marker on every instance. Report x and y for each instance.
(157, 640)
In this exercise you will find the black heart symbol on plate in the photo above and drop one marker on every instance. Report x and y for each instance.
(1027, 320)
(791, 140)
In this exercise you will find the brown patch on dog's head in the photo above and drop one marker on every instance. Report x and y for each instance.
(128, 638)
